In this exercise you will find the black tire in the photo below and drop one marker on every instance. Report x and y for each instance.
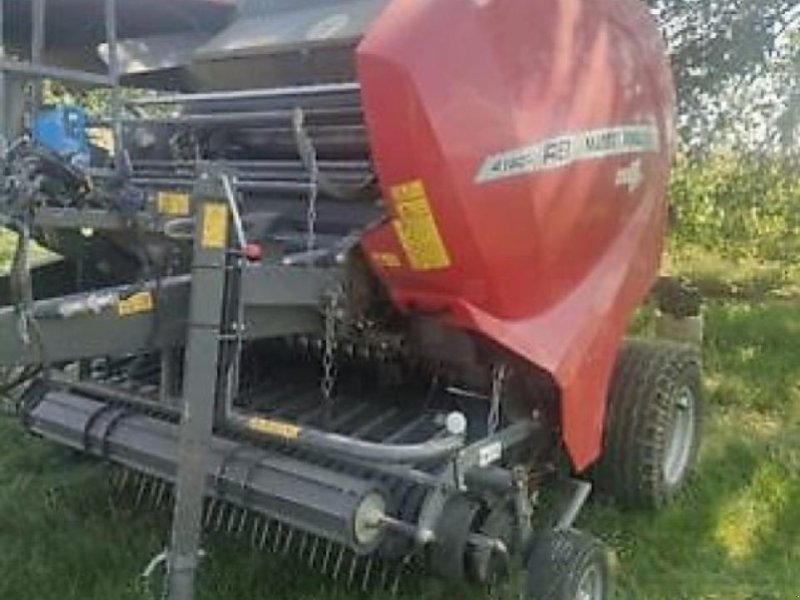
(563, 563)
(448, 555)
(653, 425)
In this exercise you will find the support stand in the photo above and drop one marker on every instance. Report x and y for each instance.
(201, 383)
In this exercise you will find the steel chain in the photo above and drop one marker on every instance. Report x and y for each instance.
(499, 375)
(20, 276)
(330, 343)
(308, 154)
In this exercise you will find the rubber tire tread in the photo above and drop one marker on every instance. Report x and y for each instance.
(645, 379)
(557, 562)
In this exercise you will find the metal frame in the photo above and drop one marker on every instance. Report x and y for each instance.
(35, 69)
(3, 111)
(289, 306)
(202, 385)
(186, 454)
(277, 300)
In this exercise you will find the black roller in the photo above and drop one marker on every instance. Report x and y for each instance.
(330, 504)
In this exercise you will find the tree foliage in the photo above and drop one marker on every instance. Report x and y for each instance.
(730, 57)
(739, 205)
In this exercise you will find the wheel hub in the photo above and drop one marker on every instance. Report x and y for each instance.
(681, 437)
(590, 586)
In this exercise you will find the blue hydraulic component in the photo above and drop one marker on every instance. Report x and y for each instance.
(62, 129)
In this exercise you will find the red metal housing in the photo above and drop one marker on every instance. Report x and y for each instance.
(523, 147)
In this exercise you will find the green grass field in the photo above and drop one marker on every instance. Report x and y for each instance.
(735, 534)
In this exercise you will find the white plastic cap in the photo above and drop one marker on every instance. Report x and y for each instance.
(456, 423)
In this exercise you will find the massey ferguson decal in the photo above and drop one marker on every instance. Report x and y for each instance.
(561, 151)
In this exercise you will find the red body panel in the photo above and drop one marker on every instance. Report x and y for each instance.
(551, 232)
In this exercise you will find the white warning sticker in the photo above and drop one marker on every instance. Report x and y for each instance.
(490, 453)
(564, 150)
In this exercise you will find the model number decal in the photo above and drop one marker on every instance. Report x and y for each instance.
(561, 151)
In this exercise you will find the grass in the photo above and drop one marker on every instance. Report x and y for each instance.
(735, 534)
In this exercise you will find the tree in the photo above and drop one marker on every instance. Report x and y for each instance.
(729, 52)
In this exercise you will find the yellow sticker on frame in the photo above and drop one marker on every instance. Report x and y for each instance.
(215, 225)
(175, 204)
(416, 228)
(133, 305)
(286, 431)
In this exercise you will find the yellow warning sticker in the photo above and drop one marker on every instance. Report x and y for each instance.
(416, 227)
(409, 190)
(175, 204)
(286, 431)
(389, 260)
(133, 305)
(215, 225)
